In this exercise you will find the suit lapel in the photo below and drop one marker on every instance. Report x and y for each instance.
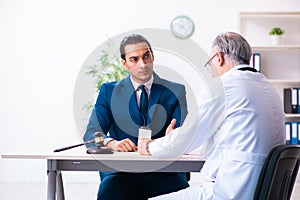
(128, 94)
(156, 92)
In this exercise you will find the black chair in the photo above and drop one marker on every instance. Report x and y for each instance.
(277, 178)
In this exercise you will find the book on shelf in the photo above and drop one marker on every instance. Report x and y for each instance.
(292, 132)
(291, 99)
(255, 61)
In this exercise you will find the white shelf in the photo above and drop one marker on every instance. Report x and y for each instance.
(269, 14)
(292, 115)
(284, 81)
(278, 47)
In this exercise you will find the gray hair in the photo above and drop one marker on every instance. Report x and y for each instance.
(234, 46)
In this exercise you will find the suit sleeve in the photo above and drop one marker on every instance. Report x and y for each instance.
(101, 118)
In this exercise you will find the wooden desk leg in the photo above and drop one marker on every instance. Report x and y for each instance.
(51, 185)
(60, 186)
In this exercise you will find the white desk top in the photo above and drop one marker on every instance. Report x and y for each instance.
(82, 155)
(79, 160)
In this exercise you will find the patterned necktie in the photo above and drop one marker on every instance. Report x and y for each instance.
(143, 102)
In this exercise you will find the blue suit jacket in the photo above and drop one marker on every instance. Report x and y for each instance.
(116, 110)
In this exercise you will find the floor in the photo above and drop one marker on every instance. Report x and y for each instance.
(74, 191)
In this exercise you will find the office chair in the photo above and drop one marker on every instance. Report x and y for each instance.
(277, 178)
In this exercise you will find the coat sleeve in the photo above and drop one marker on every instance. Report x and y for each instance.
(201, 124)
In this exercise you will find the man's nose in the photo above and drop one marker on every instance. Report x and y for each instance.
(141, 62)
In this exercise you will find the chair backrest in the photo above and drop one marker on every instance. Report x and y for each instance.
(277, 178)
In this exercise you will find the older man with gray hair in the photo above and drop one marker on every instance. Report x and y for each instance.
(237, 126)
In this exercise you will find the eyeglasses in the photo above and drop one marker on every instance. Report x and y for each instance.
(241, 58)
(209, 61)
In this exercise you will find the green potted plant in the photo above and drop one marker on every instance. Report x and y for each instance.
(276, 31)
(275, 35)
(108, 68)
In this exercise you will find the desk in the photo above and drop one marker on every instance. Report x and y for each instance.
(119, 161)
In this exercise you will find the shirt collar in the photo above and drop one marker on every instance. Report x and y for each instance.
(148, 84)
(238, 67)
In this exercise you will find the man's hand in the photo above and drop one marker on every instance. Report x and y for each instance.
(143, 146)
(125, 145)
(170, 127)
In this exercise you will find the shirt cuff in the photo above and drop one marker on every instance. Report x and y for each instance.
(107, 140)
(147, 146)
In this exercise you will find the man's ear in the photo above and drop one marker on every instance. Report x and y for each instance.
(152, 55)
(221, 59)
(124, 64)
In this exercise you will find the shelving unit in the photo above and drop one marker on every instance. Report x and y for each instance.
(255, 26)
(281, 63)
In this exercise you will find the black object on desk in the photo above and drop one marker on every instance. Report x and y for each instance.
(98, 140)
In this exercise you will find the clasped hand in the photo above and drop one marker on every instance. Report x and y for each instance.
(126, 145)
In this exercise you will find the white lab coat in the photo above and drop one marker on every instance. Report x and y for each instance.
(238, 121)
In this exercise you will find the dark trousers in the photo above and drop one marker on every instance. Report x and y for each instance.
(139, 186)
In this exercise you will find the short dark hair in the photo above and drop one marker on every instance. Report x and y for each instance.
(132, 39)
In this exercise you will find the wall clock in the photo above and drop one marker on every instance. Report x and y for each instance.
(182, 27)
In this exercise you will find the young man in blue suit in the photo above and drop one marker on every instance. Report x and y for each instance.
(118, 112)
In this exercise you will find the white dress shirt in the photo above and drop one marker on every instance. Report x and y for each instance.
(138, 92)
(239, 120)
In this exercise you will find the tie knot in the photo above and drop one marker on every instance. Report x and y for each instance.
(142, 87)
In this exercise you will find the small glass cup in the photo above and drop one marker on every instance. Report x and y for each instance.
(144, 134)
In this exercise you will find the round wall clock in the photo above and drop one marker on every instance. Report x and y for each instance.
(182, 27)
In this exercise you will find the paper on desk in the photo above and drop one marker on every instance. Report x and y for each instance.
(198, 152)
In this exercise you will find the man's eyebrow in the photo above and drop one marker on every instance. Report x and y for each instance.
(133, 57)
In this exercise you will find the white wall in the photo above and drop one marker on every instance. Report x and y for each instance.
(43, 45)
